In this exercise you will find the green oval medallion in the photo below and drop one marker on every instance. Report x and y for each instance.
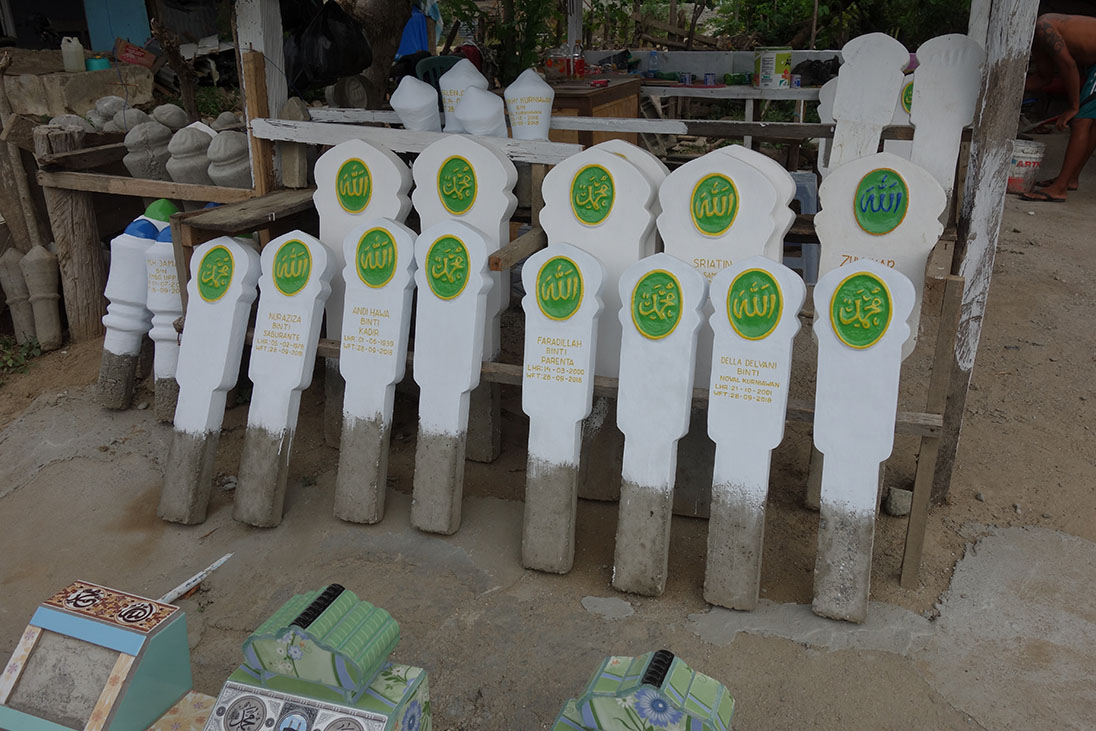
(457, 185)
(376, 257)
(215, 273)
(447, 267)
(860, 310)
(714, 204)
(559, 288)
(292, 266)
(353, 186)
(754, 304)
(907, 97)
(881, 202)
(592, 194)
(656, 304)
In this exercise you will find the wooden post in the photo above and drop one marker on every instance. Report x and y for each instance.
(16, 203)
(76, 233)
(1010, 28)
(256, 106)
(259, 28)
(294, 156)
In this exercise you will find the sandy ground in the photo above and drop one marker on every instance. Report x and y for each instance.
(1000, 634)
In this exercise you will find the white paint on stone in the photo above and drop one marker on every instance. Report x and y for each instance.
(902, 106)
(416, 103)
(356, 182)
(293, 287)
(850, 228)
(783, 184)
(219, 297)
(128, 319)
(562, 305)
(529, 102)
(600, 202)
(949, 79)
(826, 95)
(453, 84)
(165, 304)
(655, 170)
(482, 113)
(452, 281)
(379, 276)
(868, 83)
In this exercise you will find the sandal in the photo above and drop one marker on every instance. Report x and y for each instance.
(1039, 197)
(1048, 183)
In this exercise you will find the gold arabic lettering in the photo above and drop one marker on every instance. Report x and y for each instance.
(658, 303)
(862, 309)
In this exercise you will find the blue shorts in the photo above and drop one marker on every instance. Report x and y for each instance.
(1088, 89)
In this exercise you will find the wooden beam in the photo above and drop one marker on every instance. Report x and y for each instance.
(662, 25)
(85, 159)
(256, 107)
(399, 140)
(525, 245)
(250, 215)
(142, 188)
(1009, 32)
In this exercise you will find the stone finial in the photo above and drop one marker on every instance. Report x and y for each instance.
(189, 162)
(72, 120)
(148, 151)
(43, 279)
(129, 118)
(171, 116)
(108, 106)
(15, 290)
(229, 160)
(225, 120)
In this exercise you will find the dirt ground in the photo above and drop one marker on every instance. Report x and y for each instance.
(505, 647)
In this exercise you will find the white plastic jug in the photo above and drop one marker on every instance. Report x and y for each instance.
(72, 53)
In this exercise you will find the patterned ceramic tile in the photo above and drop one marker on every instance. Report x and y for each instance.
(189, 714)
(110, 605)
(109, 696)
(17, 661)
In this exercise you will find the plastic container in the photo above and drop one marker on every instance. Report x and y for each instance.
(773, 67)
(1027, 158)
(72, 54)
(578, 62)
(652, 64)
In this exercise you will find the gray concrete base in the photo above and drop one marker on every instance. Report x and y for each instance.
(167, 398)
(264, 471)
(484, 423)
(842, 570)
(548, 529)
(736, 535)
(813, 498)
(146, 358)
(642, 539)
(602, 453)
(438, 483)
(188, 477)
(363, 470)
(117, 377)
(334, 386)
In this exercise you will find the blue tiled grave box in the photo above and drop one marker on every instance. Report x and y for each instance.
(653, 692)
(320, 664)
(95, 658)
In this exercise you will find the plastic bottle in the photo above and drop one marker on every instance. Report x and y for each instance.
(652, 64)
(578, 62)
(72, 54)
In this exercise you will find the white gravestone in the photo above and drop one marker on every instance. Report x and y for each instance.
(529, 101)
(295, 283)
(655, 170)
(902, 106)
(460, 179)
(562, 304)
(826, 96)
(663, 297)
(860, 328)
(482, 113)
(783, 184)
(355, 182)
(949, 80)
(716, 210)
(756, 305)
(453, 84)
(416, 103)
(600, 202)
(379, 276)
(885, 208)
(868, 83)
(128, 320)
(219, 294)
(452, 282)
(166, 306)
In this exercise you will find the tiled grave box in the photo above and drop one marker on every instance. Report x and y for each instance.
(96, 658)
(655, 691)
(319, 664)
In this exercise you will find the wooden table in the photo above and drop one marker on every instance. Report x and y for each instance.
(578, 99)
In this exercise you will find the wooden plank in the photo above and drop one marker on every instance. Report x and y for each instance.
(18, 661)
(537, 173)
(85, 159)
(255, 106)
(294, 157)
(249, 215)
(19, 131)
(399, 140)
(930, 446)
(1010, 29)
(142, 188)
(525, 245)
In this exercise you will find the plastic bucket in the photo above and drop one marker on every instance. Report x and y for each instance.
(1027, 157)
(773, 67)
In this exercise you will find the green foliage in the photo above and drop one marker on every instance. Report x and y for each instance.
(14, 358)
(515, 30)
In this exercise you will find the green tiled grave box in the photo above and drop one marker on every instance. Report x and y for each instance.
(320, 664)
(653, 692)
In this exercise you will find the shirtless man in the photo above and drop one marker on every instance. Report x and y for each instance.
(1065, 46)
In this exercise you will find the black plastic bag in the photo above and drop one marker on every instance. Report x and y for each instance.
(296, 14)
(329, 48)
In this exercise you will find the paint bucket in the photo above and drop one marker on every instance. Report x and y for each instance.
(685, 78)
(1027, 157)
(773, 67)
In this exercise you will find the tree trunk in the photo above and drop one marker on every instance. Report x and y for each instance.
(383, 21)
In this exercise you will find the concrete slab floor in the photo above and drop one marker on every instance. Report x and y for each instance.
(1014, 643)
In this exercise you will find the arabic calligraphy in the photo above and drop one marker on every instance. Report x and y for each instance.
(376, 258)
(559, 288)
(714, 204)
(353, 185)
(457, 185)
(292, 265)
(656, 304)
(860, 310)
(215, 274)
(447, 267)
(592, 194)
(881, 202)
(754, 304)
